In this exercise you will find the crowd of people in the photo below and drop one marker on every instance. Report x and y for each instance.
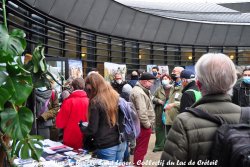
(160, 101)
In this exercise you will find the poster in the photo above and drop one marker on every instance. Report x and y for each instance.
(163, 69)
(75, 69)
(111, 68)
(149, 67)
(57, 69)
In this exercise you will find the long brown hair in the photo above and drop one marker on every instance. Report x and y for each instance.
(103, 94)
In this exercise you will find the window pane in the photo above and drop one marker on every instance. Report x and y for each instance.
(244, 55)
(70, 43)
(158, 55)
(144, 54)
(186, 56)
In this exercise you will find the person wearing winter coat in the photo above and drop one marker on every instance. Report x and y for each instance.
(190, 92)
(141, 98)
(241, 90)
(103, 119)
(173, 106)
(191, 138)
(47, 106)
(73, 110)
(160, 98)
(134, 79)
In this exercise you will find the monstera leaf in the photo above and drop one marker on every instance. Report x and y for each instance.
(5, 56)
(23, 87)
(13, 43)
(38, 60)
(17, 124)
(6, 89)
(29, 147)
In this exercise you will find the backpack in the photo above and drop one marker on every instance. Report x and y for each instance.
(197, 94)
(128, 121)
(231, 145)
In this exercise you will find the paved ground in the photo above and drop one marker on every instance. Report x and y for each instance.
(151, 157)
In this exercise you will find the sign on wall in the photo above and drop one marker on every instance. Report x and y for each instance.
(111, 68)
(75, 69)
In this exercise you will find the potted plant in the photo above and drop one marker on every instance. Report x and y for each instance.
(17, 81)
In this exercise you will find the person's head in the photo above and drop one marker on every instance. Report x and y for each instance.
(126, 90)
(187, 76)
(147, 80)
(215, 74)
(27, 58)
(78, 84)
(101, 93)
(134, 75)
(155, 70)
(176, 72)
(140, 72)
(165, 80)
(246, 75)
(118, 77)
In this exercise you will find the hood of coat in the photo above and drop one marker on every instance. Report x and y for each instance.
(78, 93)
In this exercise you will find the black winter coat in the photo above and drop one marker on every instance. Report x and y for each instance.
(98, 127)
(188, 97)
(241, 94)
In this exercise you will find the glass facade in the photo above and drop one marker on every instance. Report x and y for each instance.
(63, 40)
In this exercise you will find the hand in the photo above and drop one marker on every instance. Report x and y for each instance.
(169, 106)
(40, 119)
(160, 102)
(80, 124)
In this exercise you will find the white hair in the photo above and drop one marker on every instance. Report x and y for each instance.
(216, 72)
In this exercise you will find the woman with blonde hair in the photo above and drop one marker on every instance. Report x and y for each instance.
(103, 118)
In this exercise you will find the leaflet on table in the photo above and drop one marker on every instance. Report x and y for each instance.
(19, 161)
(52, 147)
(43, 164)
(50, 143)
(56, 157)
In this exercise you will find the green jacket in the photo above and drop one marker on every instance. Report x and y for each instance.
(190, 137)
(159, 95)
(174, 97)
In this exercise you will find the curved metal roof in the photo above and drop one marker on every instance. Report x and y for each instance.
(113, 18)
(198, 12)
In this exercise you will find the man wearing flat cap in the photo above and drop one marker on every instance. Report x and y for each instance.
(190, 92)
(141, 98)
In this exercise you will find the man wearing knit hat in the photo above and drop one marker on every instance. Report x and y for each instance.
(190, 92)
(141, 98)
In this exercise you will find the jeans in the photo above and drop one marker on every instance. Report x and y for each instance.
(115, 153)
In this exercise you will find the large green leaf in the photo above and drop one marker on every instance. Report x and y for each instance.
(38, 60)
(13, 69)
(16, 124)
(30, 147)
(23, 87)
(14, 42)
(6, 89)
(5, 56)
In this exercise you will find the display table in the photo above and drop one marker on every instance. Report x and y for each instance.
(58, 155)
